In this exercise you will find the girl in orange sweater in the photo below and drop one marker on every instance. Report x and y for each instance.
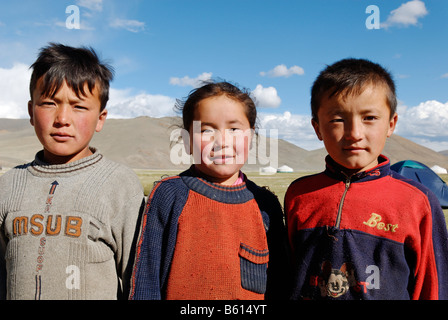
(210, 233)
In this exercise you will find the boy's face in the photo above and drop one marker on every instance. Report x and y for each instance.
(65, 124)
(354, 128)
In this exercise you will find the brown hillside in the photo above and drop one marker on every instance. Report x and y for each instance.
(144, 143)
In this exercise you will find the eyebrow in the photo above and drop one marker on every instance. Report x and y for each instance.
(335, 111)
(228, 122)
(234, 122)
(338, 111)
(71, 101)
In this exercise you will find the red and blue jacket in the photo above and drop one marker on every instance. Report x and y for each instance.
(374, 235)
(201, 240)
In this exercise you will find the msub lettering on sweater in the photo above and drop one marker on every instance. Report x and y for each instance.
(52, 225)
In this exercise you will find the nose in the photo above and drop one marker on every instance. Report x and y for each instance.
(220, 140)
(62, 117)
(353, 130)
(335, 286)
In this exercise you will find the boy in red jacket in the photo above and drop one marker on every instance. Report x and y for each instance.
(359, 230)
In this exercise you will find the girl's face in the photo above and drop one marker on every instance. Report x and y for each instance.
(220, 135)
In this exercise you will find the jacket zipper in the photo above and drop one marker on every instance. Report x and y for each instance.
(341, 204)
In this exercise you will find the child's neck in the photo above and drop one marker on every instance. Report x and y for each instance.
(351, 172)
(235, 179)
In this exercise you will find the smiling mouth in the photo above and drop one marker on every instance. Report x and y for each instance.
(223, 159)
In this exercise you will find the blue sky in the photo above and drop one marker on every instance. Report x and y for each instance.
(275, 48)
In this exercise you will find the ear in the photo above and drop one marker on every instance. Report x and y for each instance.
(315, 125)
(101, 120)
(392, 124)
(31, 112)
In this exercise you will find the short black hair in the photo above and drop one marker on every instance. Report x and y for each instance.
(214, 89)
(349, 76)
(77, 66)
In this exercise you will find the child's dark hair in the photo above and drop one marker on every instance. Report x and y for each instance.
(214, 89)
(349, 76)
(77, 66)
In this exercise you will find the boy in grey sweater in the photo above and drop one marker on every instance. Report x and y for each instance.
(68, 220)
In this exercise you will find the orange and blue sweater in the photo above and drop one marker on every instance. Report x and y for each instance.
(205, 241)
(374, 235)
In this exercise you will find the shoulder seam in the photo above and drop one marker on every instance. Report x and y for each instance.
(414, 188)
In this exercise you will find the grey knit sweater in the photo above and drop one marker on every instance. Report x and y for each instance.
(68, 231)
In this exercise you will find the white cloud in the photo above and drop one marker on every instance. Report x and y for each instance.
(266, 97)
(83, 25)
(94, 5)
(407, 14)
(445, 75)
(122, 104)
(192, 82)
(14, 88)
(425, 124)
(293, 128)
(129, 25)
(283, 71)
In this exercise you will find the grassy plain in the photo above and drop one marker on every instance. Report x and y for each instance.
(277, 183)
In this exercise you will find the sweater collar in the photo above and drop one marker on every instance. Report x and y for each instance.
(226, 194)
(336, 171)
(41, 168)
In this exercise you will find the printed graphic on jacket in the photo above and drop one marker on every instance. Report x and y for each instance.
(336, 282)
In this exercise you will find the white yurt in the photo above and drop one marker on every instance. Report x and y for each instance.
(285, 168)
(439, 170)
(268, 170)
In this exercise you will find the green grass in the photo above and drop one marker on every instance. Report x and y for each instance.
(277, 183)
(149, 177)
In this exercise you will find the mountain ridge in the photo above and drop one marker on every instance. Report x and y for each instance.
(144, 143)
